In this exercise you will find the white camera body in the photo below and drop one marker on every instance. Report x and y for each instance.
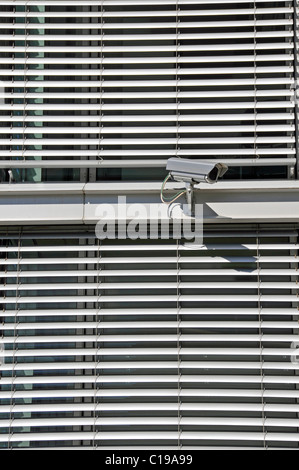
(195, 171)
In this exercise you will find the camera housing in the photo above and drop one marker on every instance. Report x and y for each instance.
(195, 171)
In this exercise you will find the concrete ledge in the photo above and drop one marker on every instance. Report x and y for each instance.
(137, 187)
(76, 203)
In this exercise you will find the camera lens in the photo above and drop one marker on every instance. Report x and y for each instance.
(213, 174)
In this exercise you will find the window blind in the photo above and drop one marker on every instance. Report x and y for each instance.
(124, 84)
(149, 344)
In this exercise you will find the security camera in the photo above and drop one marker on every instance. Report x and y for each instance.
(195, 171)
(191, 172)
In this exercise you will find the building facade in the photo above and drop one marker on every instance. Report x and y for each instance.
(139, 341)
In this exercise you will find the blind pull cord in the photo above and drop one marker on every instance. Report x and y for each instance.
(101, 85)
(256, 155)
(260, 340)
(15, 335)
(178, 308)
(25, 81)
(97, 362)
(177, 80)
